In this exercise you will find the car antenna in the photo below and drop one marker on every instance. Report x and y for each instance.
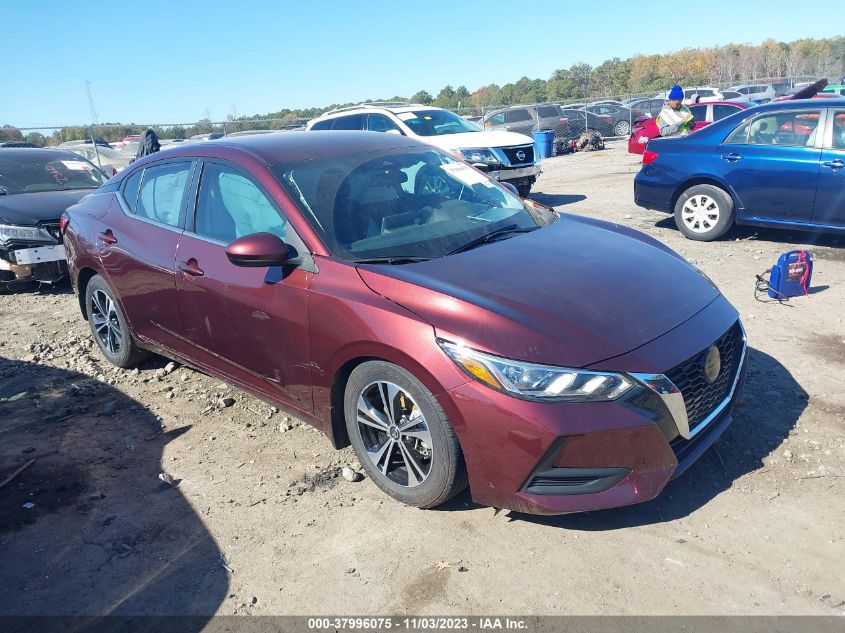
(93, 124)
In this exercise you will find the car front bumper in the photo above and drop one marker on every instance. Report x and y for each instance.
(529, 173)
(44, 263)
(557, 458)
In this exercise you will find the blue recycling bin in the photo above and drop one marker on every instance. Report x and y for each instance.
(545, 142)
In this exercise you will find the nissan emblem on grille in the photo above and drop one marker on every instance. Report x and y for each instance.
(712, 365)
(520, 155)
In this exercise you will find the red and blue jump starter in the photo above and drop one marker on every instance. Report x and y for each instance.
(790, 276)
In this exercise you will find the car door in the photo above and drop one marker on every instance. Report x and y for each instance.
(771, 161)
(519, 120)
(248, 323)
(137, 241)
(830, 197)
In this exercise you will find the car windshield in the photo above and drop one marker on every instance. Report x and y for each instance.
(436, 123)
(405, 204)
(36, 173)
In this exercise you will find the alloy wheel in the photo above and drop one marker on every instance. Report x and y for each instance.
(395, 433)
(623, 128)
(105, 321)
(700, 213)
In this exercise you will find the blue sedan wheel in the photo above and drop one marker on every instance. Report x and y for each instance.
(704, 212)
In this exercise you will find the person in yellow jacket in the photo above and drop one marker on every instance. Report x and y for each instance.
(675, 119)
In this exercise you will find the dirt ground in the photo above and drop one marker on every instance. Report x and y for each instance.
(260, 522)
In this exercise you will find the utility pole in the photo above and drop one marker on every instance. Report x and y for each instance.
(93, 124)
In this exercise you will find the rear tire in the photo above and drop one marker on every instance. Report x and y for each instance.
(109, 327)
(623, 128)
(704, 213)
(402, 436)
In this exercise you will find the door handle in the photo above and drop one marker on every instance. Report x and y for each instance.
(834, 164)
(190, 267)
(731, 158)
(107, 237)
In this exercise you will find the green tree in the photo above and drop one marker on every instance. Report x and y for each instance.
(422, 97)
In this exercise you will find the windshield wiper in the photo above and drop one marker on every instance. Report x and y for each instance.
(487, 237)
(395, 259)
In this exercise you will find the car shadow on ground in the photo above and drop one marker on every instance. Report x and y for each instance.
(769, 407)
(778, 236)
(88, 528)
(556, 200)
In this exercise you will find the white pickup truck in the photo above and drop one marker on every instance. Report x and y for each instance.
(506, 156)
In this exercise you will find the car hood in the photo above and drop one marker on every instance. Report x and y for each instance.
(469, 140)
(27, 209)
(575, 293)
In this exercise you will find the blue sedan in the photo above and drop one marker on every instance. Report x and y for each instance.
(777, 165)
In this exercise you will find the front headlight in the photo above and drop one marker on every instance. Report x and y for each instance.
(10, 233)
(480, 155)
(530, 381)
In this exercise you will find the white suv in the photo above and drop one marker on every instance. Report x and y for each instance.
(505, 156)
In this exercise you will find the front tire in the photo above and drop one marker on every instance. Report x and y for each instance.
(623, 128)
(402, 436)
(704, 212)
(108, 325)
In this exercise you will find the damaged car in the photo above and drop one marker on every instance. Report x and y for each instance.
(36, 186)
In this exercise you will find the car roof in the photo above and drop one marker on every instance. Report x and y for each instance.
(798, 104)
(292, 146)
(29, 153)
(370, 107)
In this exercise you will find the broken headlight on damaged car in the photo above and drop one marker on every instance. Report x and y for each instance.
(531, 381)
(11, 233)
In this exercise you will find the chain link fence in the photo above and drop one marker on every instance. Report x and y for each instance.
(112, 146)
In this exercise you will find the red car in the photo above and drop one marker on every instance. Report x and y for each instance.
(403, 302)
(705, 113)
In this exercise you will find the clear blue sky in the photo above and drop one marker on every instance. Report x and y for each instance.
(160, 62)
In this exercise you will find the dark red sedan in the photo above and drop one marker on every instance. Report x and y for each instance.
(644, 130)
(400, 300)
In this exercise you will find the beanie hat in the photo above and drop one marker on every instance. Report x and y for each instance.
(676, 93)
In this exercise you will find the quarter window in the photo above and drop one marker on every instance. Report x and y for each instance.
(130, 190)
(790, 128)
(547, 112)
(230, 206)
(161, 192)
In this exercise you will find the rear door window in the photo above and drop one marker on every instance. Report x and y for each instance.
(839, 130)
(721, 111)
(699, 112)
(162, 191)
(352, 122)
(514, 116)
(326, 124)
(380, 123)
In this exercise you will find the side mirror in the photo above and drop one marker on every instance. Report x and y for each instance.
(510, 188)
(257, 250)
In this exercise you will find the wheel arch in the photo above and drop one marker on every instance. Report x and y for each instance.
(83, 277)
(335, 422)
(704, 180)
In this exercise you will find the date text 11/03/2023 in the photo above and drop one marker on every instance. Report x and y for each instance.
(418, 624)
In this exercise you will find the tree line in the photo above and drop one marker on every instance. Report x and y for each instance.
(720, 65)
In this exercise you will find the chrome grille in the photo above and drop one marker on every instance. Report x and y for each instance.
(511, 153)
